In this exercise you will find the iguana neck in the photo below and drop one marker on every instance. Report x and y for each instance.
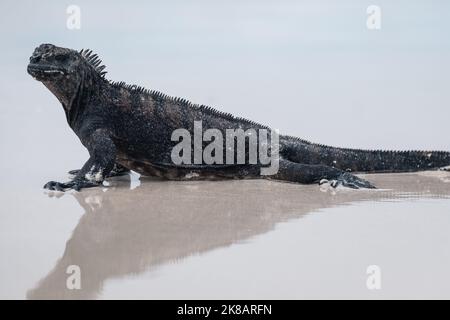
(75, 94)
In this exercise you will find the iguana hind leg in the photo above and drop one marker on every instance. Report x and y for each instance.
(307, 173)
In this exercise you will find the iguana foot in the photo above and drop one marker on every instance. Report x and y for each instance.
(349, 180)
(75, 185)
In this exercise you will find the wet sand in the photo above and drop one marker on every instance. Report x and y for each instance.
(253, 239)
(310, 69)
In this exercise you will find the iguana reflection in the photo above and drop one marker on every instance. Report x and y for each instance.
(125, 232)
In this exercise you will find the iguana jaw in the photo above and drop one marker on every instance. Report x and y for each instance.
(45, 72)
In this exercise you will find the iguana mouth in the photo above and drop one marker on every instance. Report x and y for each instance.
(42, 72)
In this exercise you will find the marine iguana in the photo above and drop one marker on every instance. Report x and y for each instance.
(126, 127)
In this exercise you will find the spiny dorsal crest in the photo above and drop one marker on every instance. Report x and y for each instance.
(135, 89)
(94, 61)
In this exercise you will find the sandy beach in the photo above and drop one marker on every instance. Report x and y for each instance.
(234, 239)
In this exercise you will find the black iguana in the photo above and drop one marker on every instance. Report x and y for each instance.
(126, 127)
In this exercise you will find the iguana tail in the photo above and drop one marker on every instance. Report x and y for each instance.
(357, 160)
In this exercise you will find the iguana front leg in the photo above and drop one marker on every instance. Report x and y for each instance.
(102, 153)
(117, 171)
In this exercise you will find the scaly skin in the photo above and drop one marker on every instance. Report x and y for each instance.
(129, 128)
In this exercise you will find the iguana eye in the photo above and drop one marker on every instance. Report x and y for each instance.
(60, 57)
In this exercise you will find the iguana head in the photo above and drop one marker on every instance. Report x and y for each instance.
(63, 70)
(52, 63)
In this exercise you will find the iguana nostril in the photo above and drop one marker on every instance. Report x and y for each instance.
(35, 59)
